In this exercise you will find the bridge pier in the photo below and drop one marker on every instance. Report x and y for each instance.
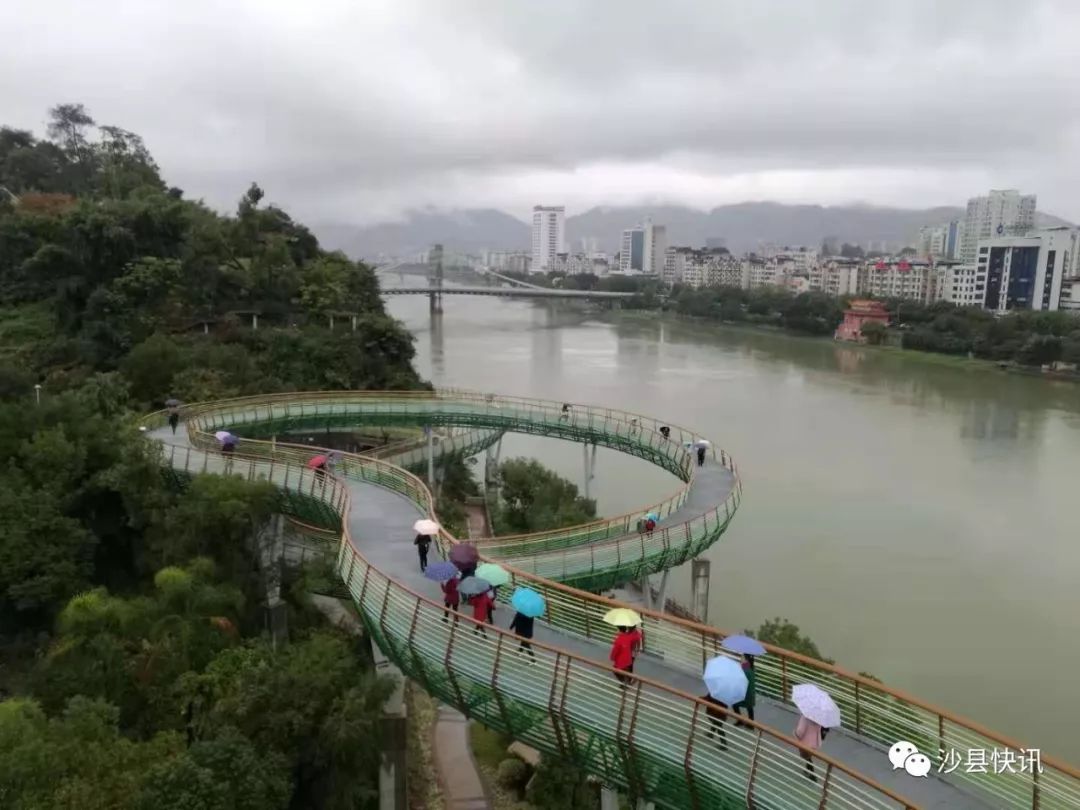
(430, 457)
(700, 572)
(590, 466)
(609, 799)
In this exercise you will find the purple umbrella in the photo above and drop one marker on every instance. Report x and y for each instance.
(441, 571)
(744, 645)
(464, 555)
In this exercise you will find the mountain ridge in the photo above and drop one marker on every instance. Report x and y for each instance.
(743, 226)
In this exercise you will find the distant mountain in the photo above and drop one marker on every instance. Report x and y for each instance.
(469, 230)
(743, 226)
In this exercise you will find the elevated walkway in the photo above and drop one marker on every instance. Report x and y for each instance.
(651, 740)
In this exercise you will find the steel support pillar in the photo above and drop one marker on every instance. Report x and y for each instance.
(430, 455)
(254, 322)
(609, 799)
(660, 603)
(699, 588)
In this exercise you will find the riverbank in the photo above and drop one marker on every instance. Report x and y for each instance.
(959, 362)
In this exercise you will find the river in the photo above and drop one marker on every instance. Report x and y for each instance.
(914, 517)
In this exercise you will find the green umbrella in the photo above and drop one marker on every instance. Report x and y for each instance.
(495, 574)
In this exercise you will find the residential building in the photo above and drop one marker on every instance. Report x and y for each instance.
(644, 249)
(703, 268)
(762, 272)
(962, 284)
(1003, 212)
(548, 236)
(835, 276)
(1070, 296)
(939, 241)
(580, 263)
(897, 278)
(516, 261)
(799, 260)
(858, 313)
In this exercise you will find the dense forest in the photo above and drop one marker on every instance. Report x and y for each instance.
(134, 667)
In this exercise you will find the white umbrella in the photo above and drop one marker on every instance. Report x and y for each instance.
(222, 435)
(815, 704)
(426, 526)
(702, 443)
(725, 680)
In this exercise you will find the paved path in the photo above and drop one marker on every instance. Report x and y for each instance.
(462, 787)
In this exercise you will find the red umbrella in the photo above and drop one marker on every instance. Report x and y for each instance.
(316, 462)
(464, 554)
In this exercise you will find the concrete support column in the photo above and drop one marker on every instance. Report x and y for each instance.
(354, 323)
(660, 603)
(331, 323)
(254, 322)
(430, 455)
(206, 328)
(609, 799)
(644, 805)
(646, 592)
(393, 770)
(699, 588)
(590, 467)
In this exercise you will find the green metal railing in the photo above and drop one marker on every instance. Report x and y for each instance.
(649, 740)
(876, 713)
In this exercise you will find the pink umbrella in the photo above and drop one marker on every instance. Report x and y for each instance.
(464, 554)
(316, 462)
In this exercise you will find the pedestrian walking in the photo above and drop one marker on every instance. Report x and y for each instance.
(451, 597)
(811, 735)
(565, 415)
(665, 431)
(701, 456)
(174, 419)
(717, 712)
(751, 690)
(522, 626)
(624, 650)
(650, 524)
(422, 543)
(228, 447)
(483, 606)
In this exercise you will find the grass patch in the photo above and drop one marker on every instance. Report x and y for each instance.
(424, 790)
(24, 326)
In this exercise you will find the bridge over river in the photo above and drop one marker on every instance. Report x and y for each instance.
(652, 740)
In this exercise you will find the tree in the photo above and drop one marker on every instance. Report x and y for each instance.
(533, 498)
(68, 124)
(1040, 350)
(814, 313)
(907, 251)
(783, 633)
(874, 332)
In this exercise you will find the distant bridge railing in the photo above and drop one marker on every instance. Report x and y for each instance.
(649, 740)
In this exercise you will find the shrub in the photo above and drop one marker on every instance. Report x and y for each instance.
(513, 774)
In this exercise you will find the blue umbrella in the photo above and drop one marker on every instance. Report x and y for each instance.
(441, 571)
(528, 602)
(653, 516)
(725, 680)
(744, 645)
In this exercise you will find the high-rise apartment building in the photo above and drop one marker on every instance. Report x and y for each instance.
(644, 249)
(1003, 212)
(939, 241)
(548, 236)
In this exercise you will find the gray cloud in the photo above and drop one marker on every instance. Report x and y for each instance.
(355, 111)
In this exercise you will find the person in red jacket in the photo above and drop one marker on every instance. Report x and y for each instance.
(623, 651)
(451, 597)
(482, 606)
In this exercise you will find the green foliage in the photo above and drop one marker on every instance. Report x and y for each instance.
(559, 785)
(874, 332)
(533, 498)
(783, 633)
(77, 759)
(513, 774)
(315, 703)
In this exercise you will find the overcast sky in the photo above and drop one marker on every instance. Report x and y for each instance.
(355, 110)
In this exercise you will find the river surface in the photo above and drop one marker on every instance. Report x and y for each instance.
(919, 520)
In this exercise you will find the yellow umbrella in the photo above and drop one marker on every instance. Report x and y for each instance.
(622, 617)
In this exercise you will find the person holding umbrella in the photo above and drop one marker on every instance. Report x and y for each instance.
(748, 648)
(228, 446)
(174, 412)
(522, 626)
(726, 683)
(701, 446)
(424, 529)
(483, 606)
(817, 714)
(445, 573)
(624, 650)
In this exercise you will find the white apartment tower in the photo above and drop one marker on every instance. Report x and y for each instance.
(548, 236)
(644, 249)
(1003, 212)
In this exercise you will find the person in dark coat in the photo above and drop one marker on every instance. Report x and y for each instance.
(174, 419)
(717, 711)
(522, 625)
(483, 606)
(701, 455)
(751, 690)
(422, 543)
